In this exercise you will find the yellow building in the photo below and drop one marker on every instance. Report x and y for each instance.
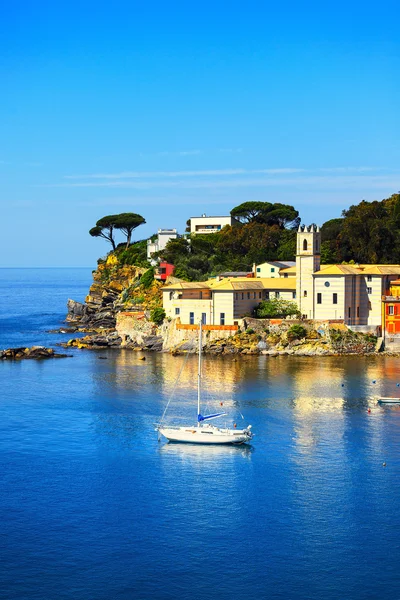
(222, 302)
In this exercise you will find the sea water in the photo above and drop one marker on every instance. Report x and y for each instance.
(93, 506)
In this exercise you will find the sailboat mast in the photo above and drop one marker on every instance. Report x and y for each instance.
(199, 368)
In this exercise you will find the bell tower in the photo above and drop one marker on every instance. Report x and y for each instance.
(308, 260)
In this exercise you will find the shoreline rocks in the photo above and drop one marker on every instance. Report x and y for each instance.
(35, 352)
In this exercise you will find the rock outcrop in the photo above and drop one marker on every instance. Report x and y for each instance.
(35, 352)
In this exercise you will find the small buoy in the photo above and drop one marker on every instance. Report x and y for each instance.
(142, 358)
(342, 384)
(398, 384)
(369, 410)
(374, 381)
(235, 425)
(384, 464)
(221, 403)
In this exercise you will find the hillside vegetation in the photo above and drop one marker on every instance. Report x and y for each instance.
(368, 232)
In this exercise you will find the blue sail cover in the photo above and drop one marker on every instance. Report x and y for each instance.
(201, 418)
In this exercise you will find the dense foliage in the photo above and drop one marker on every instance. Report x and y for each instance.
(157, 315)
(136, 254)
(147, 278)
(296, 332)
(368, 232)
(276, 309)
(268, 232)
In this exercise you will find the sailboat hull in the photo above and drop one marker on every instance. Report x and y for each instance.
(206, 435)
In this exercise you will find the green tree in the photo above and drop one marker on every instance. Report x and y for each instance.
(267, 213)
(175, 250)
(276, 309)
(104, 228)
(157, 315)
(127, 223)
(283, 215)
(248, 211)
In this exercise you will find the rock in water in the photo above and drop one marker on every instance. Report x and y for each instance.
(37, 352)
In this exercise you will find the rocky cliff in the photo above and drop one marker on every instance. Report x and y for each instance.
(116, 288)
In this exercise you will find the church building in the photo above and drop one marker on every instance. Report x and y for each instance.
(352, 293)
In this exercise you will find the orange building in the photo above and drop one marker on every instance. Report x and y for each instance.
(391, 309)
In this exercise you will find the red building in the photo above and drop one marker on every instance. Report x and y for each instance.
(164, 270)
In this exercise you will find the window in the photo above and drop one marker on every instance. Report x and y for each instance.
(285, 275)
(191, 318)
(242, 296)
(294, 295)
(391, 310)
(305, 294)
(255, 295)
(222, 319)
(236, 296)
(349, 312)
(369, 290)
(177, 311)
(272, 269)
(267, 295)
(171, 295)
(305, 245)
(319, 298)
(369, 278)
(201, 295)
(358, 311)
(277, 294)
(248, 295)
(204, 318)
(259, 295)
(327, 284)
(258, 270)
(334, 298)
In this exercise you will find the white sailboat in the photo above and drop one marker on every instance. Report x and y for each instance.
(204, 432)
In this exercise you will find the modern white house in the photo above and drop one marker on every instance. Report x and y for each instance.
(205, 224)
(163, 237)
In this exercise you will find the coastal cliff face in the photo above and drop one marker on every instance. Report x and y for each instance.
(117, 309)
(116, 287)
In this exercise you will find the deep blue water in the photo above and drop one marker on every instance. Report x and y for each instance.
(93, 507)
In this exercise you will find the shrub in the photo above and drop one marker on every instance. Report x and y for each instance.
(147, 278)
(157, 315)
(249, 331)
(296, 332)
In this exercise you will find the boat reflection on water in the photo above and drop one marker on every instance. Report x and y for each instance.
(205, 452)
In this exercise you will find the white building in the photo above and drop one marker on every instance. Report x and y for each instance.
(163, 237)
(206, 224)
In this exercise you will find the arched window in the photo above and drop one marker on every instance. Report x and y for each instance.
(305, 293)
(305, 244)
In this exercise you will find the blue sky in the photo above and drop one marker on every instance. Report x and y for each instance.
(175, 109)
